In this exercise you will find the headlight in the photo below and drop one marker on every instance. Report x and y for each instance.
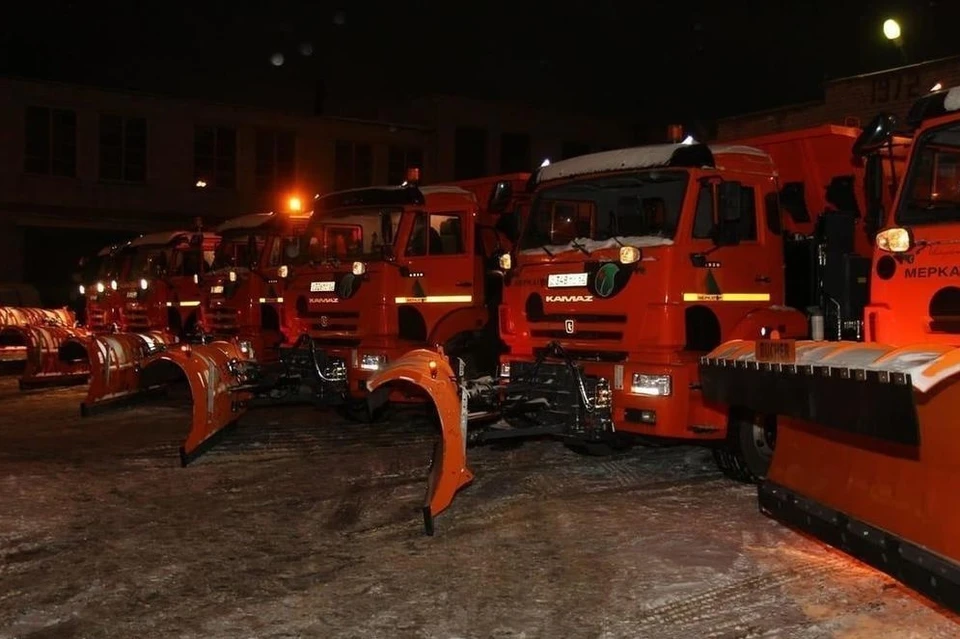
(895, 240)
(506, 262)
(232, 276)
(629, 254)
(144, 284)
(372, 362)
(246, 349)
(100, 287)
(359, 268)
(113, 284)
(196, 278)
(83, 289)
(651, 385)
(505, 370)
(283, 271)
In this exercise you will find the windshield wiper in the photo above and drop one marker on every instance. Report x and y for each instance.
(546, 250)
(580, 247)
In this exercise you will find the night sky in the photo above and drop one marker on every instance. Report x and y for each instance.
(652, 60)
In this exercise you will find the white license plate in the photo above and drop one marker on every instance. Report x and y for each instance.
(132, 295)
(216, 290)
(323, 287)
(565, 280)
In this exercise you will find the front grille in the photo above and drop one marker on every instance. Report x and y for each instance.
(581, 335)
(551, 395)
(222, 320)
(136, 320)
(583, 355)
(97, 320)
(333, 321)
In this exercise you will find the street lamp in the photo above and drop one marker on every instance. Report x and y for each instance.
(891, 29)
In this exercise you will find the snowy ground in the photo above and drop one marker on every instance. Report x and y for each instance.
(300, 525)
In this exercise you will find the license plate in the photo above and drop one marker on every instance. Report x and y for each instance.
(216, 290)
(323, 287)
(778, 351)
(565, 280)
(132, 295)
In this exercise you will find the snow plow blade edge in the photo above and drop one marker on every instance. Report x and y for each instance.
(431, 371)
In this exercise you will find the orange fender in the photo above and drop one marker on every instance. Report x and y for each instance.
(51, 360)
(115, 364)
(27, 316)
(213, 375)
(431, 371)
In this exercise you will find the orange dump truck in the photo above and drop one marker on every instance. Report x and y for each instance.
(866, 455)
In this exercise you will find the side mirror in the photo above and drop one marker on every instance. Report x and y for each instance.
(873, 194)
(875, 134)
(500, 197)
(729, 207)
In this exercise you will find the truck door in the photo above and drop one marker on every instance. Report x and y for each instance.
(441, 266)
(735, 278)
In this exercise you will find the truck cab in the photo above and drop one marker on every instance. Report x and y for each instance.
(99, 277)
(383, 270)
(631, 265)
(161, 289)
(245, 288)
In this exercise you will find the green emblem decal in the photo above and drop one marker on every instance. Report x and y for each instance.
(606, 279)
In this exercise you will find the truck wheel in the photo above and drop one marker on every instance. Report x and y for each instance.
(747, 453)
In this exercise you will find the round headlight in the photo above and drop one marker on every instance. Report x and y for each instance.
(359, 268)
(233, 276)
(144, 284)
(100, 287)
(113, 284)
(83, 289)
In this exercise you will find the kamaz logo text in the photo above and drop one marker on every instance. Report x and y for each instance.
(569, 298)
(931, 271)
(324, 300)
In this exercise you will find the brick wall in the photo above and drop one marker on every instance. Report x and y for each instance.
(851, 101)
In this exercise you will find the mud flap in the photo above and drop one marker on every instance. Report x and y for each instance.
(213, 373)
(55, 355)
(431, 371)
(115, 364)
(879, 486)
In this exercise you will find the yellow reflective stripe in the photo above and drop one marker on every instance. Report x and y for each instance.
(726, 297)
(434, 299)
(190, 303)
(278, 300)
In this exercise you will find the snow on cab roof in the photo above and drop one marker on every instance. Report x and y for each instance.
(157, 239)
(250, 221)
(640, 157)
(441, 188)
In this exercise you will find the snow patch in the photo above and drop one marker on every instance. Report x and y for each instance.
(428, 190)
(951, 101)
(157, 239)
(637, 241)
(251, 221)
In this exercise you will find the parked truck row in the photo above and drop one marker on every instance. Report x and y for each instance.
(681, 292)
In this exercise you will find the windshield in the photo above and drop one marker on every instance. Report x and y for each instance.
(933, 191)
(352, 235)
(639, 208)
(146, 259)
(238, 251)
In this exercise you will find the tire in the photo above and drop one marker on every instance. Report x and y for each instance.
(748, 451)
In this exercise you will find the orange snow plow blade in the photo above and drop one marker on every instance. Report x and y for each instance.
(115, 364)
(55, 355)
(866, 455)
(13, 347)
(430, 371)
(213, 374)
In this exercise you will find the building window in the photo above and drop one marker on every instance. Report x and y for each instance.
(573, 149)
(215, 156)
(353, 165)
(50, 141)
(123, 148)
(276, 160)
(470, 153)
(399, 160)
(514, 152)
